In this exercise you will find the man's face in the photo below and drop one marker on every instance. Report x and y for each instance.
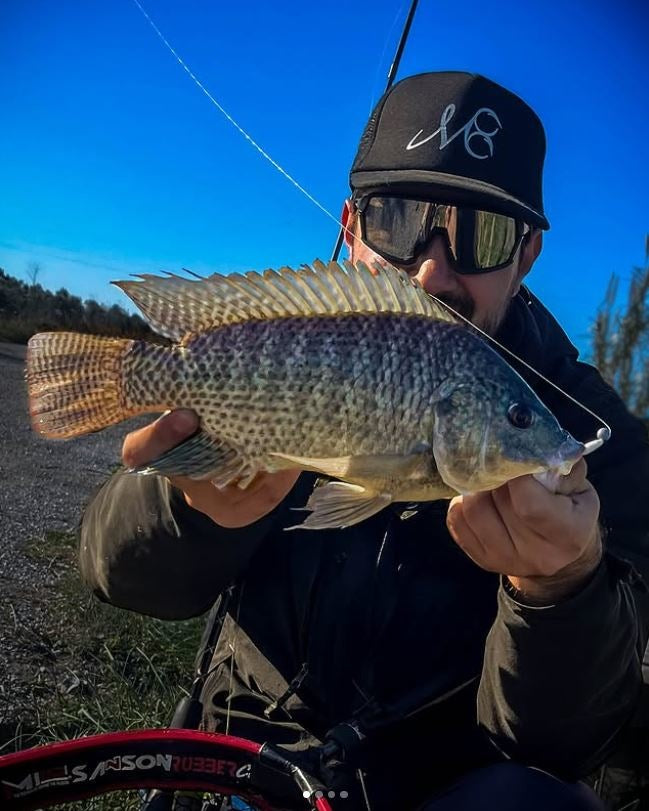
(483, 298)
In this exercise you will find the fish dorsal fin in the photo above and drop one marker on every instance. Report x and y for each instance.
(179, 308)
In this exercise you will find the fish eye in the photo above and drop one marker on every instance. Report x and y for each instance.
(520, 415)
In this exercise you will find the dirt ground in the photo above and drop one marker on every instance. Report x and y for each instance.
(43, 488)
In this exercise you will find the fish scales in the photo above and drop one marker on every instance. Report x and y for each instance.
(353, 373)
(329, 386)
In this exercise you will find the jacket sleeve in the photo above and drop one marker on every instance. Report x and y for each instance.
(143, 548)
(559, 682)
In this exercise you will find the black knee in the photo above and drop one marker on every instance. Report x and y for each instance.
(512, 787)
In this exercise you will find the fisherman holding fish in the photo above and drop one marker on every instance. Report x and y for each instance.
(440, 618)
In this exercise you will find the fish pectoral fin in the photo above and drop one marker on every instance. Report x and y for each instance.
(200, 457)
(334, 466)
(335, 505)
(378, 466)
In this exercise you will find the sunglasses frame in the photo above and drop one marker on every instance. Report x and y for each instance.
(362, 201)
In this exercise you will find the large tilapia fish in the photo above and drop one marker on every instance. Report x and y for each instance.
(357, 374)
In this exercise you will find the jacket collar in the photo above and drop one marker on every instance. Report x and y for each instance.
(530, 331)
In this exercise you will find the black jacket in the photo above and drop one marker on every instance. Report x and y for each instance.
(390, 625)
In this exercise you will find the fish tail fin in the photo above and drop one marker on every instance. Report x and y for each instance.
(74, 383)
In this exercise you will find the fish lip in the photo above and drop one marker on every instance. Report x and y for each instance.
(569, 452)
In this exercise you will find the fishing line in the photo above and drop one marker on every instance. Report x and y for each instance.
(227, 115)
(603, 434)
(239, 128)
(380, 62)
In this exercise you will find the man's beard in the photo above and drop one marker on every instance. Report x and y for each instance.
(463, 304)
(459, 303)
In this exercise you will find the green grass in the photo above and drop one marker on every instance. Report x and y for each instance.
(99, 668)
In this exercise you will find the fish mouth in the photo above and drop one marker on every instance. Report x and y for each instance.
(564, 458)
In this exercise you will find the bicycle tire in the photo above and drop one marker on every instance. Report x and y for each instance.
(170, 760)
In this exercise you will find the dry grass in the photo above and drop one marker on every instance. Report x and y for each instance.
(98, 668)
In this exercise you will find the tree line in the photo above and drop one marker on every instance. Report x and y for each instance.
(28, 308)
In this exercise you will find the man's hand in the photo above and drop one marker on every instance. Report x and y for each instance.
(547, 544)
(229, 506)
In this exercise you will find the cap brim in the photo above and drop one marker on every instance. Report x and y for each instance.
(451, 189)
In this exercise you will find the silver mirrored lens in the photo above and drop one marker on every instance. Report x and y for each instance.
(400, 228)
(495, 238)
(397, 226)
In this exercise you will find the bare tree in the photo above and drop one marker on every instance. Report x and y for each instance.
(33, 272)
(620, 339)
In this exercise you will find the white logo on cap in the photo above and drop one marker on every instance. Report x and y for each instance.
(471, 129)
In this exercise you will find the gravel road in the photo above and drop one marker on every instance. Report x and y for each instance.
(43, 487)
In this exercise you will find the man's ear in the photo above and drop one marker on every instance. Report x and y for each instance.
(348, 220)
(530, 250)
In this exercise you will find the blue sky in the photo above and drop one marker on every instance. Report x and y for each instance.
(113, 162)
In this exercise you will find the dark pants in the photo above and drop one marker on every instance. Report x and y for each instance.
(510, 787)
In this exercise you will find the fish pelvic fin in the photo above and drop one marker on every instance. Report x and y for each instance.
(180, 308)
(336, 505)
(74, 383)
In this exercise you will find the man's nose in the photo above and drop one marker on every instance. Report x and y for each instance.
(433, 267)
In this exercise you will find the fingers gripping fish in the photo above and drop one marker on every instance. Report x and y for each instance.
(356, 374)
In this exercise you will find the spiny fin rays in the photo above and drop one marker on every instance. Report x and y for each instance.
(179, 308)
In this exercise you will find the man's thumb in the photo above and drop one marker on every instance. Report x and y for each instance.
(148, 443)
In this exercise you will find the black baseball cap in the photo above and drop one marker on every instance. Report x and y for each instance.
(458, 137)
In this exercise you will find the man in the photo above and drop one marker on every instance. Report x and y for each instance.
(384, 637)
